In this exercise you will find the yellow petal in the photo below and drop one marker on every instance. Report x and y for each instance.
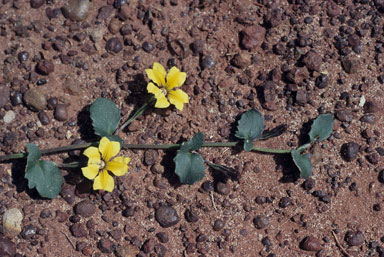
(91, 171)
(151, 88)
(178, 98)
(92, 153)
(160, 69)
(108, 149)
(157, 74)
(162, 102)
(118, 166)
(104, 182)
(175, 78)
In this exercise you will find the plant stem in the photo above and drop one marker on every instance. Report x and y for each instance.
(70, 164)
(147, 146)
(139, 112)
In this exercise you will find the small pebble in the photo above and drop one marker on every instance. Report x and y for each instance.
(113, 45)
(12, 220)
(17, 98)
(218, 225)
(207, 62)
(349, 151)
(9, 117)
(167, 216)
(311, 243)
(35, 99)
(45, 67)
(76, 10)
(85, 208)
(61, 113)
(260, 222)
(354, 238)
(7, 247)
(222, 188)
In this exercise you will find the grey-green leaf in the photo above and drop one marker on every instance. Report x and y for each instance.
(105, 116)
(189, 167)
(194, 144)
(42, 175)
(303, 163)
(322, 127)
(250, 127)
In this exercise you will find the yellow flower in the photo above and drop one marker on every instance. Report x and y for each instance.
(101, 160)
(164, 90)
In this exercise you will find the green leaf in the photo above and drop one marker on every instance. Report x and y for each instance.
(194, 144)
(189, 167)
(42, 175)
(105, 117)
(250, 127)
(303, 163)
(322, 127)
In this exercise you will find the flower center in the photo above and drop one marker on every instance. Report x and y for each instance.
(164, 91)
(102, 165)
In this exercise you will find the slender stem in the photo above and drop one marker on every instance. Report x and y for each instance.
(70, 165)
(139, 112)
(147, 146)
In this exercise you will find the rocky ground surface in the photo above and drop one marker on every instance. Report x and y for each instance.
(292, 60)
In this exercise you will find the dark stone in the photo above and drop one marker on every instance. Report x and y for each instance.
(148, 246)
(285, 202)
(191, 215)
(22, 56)
(368, 118)
(208, 186)
(44, 118)
(261, 222)
(310, 243)
(198, 46)
(105, 12)
(349, 151)
(105, 245)
(28, 232)
(7, 247)
(321, 81)
(163, 237)
(167, 216)
(10, 139)
(381, 176)
(113, 45)
(371, 107)
(16, 98)
(45, 67)
(78, 230)
(207, 62)
(344, 115)
(354, 238)
(36, 3)
(85, 208)
(218, 225)
(147, 47)
(61, 113)
(68, 193)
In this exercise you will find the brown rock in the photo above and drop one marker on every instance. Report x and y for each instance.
(252, 37)
(242, 60)
(313, 61)
(311, 243)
